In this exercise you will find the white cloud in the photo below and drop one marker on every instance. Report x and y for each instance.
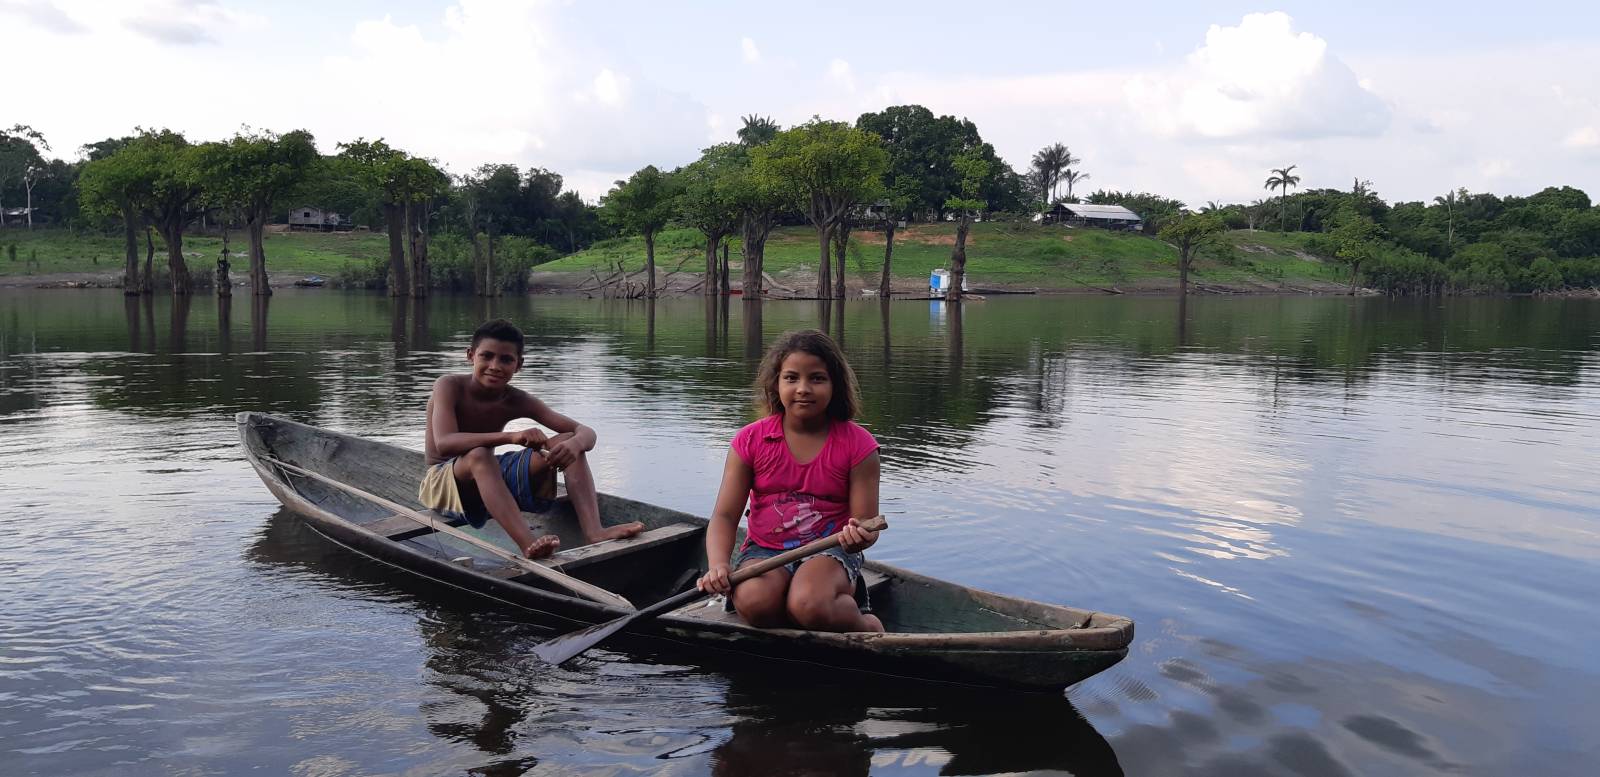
(839, 72)
(748, 48)
(1583, 137)
(1259, 79)
(41, 14)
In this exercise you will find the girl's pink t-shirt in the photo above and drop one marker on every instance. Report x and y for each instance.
(792, 503)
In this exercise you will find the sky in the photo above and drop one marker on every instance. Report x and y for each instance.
(1193, 100)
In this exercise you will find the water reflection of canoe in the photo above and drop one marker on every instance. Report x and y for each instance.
(939, 631)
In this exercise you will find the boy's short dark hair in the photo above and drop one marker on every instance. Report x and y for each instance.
(498, 329)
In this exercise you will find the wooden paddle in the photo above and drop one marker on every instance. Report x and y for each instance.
(562, 648)
(569, 583)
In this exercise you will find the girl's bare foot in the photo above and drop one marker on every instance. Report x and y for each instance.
(542, 547)
(619, 532)
(872, 623)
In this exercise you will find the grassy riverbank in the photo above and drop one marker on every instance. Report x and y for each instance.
(56, 252)
(998, 255)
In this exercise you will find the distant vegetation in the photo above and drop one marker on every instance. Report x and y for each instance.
(890, 173)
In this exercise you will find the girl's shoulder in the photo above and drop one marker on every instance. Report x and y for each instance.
(757, 432)
(858, 442)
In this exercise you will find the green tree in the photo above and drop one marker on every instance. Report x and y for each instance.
(710, 200)
(153, 180)
(20, 161)
(493, 193)
(644, 204)
(419, 183)
(974, 171)
(114, 183)
(826, 168)
(381, 170)
(1357, 239)
(1283, 179)
(253, 173)
(1190, 232)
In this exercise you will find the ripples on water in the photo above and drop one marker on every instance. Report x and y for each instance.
(1357, 537)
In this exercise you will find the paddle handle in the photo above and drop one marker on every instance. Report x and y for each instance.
(876, 523)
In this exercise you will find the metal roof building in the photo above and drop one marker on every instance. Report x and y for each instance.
(1110, 216)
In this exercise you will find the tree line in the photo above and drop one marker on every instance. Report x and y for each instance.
(903, 164)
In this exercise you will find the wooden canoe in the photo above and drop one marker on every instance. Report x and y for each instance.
(938, 631)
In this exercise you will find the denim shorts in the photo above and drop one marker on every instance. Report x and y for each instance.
(850, 561)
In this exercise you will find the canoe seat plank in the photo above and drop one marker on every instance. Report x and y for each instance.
(399, 527)
(584, 555)
(713, 611)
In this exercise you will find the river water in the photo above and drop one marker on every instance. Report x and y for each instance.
(1357, 536)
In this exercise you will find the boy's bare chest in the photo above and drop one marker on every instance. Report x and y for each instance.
(476, 415)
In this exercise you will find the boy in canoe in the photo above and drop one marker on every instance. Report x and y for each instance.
(467, 417)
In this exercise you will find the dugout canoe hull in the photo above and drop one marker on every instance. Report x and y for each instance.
(938, 631)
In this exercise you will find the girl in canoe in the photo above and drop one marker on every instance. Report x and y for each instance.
(807, 471)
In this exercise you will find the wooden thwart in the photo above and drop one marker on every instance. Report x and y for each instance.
(566, 582)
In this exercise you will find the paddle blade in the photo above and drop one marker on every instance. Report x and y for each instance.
(561, 649)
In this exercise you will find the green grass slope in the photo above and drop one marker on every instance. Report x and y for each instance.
(998, 254)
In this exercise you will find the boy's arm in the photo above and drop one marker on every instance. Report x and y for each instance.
(448, 440)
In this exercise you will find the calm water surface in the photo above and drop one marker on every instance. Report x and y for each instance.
(1358, 537)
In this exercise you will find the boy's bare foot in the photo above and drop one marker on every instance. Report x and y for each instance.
(619, 532)
(542, 547)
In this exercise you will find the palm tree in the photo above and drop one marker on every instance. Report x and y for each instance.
(1050, 165)
(757, 130)
(1448, 202)
(1283, 178)
(1072, 177)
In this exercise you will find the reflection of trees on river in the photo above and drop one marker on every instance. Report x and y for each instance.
(754, 341)
(225, 325)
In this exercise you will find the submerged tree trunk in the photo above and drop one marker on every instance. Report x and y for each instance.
(755, 245)
(224, 265)
(130, 238)
(824, 276)
(888, 254)
(417, 238)
(841, 240)
(256, 228)
(958, 259)
(726, 289)
(147, 282)
(710, 286)
(1184, 258)
(172, 232)
(399, 284)
(650, 265)
(1355, 269)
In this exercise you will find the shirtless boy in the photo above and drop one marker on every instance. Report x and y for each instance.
(467, 415)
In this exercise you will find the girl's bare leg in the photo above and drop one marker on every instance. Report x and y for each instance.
(760, 600)
(822, 599)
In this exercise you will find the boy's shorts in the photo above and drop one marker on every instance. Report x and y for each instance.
(441, 493)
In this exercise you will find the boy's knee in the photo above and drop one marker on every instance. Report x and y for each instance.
(478, 457)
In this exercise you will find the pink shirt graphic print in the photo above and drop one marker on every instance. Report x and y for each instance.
(793, 503)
